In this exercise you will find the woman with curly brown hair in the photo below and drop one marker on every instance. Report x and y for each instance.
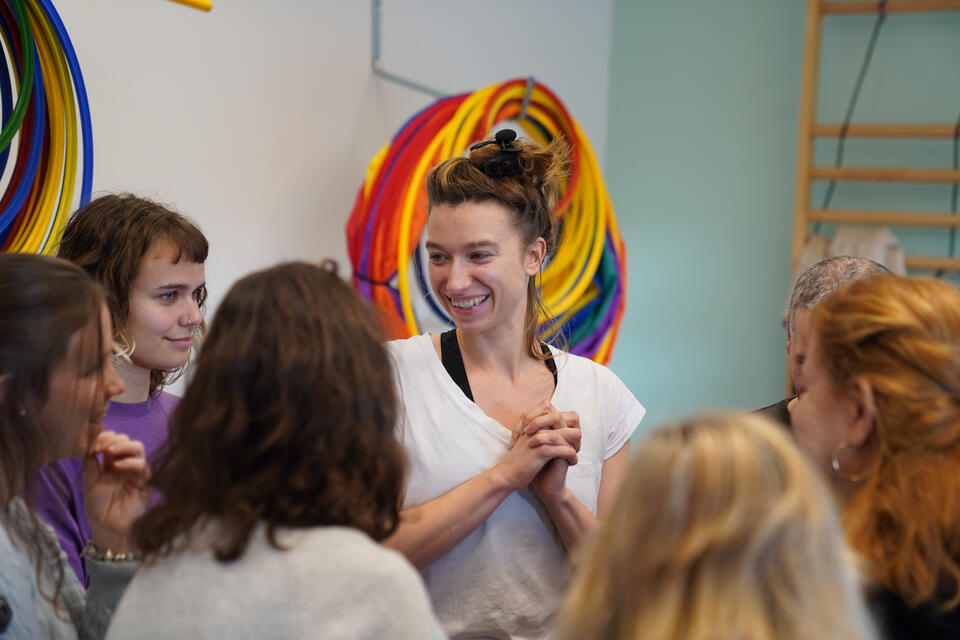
(280, 475)
(149, 260)
(881, 417)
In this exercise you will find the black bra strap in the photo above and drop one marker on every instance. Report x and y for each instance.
(452, 361)
(550, 362)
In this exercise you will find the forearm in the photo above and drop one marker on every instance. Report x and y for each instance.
(574, 521)
(430, 530)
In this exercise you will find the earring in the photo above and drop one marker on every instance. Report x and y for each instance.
(23, 412)
(835, 463)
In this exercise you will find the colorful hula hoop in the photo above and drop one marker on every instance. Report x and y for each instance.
(51, 106)
(583, 285)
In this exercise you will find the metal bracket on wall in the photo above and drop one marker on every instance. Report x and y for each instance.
(386, 75)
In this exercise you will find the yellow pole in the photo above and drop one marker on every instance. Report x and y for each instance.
(203, 5)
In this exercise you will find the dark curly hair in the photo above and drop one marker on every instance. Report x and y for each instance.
(289, 419)
(109, 238)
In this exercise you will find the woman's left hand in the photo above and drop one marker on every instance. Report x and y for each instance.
(550, 483)
(114, 488)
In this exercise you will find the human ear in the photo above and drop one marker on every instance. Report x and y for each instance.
(864, 413)
(536, 252)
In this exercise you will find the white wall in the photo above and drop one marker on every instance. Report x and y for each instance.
(258, 118)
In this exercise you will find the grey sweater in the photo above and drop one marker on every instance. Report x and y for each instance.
(328, 582)
(81, 614)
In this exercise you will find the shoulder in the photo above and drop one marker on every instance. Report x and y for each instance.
(600, 396)
(351, 559)
(20, 532)
(414, 345)
(584, 369)
(20, 524)
(352, 554)
(166, 401)
(16, 565)
(367, 590)
(17, 585)
(412, 355)
(348, 548)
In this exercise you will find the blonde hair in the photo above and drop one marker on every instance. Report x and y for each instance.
(721, 530)
(902, 336)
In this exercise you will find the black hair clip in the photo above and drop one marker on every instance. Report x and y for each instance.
(506, 163)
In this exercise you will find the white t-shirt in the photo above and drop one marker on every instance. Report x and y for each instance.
(505, 579)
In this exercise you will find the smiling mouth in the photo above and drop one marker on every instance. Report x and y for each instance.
(468, 303)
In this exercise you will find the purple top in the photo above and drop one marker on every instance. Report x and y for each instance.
(59, 489)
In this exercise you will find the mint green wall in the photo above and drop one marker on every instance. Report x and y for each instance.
(700, 166)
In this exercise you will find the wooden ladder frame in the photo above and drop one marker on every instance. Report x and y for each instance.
(810, 130)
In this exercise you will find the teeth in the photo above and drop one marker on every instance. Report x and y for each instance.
(469, 302)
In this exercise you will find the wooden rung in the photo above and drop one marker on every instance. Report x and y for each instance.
(885, 131)
(932, 263)
(884, 175)
(904, 6)
(885, 218)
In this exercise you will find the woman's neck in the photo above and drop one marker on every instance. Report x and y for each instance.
(136, 383)
(503, 350)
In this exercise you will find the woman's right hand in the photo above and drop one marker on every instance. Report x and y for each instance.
(114, 488)
(530, 453)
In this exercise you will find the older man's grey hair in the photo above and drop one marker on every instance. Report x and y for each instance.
(824, 277)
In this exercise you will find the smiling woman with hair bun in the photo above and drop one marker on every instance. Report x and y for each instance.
(516, 447)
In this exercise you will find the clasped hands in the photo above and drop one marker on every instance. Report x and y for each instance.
(542, 448)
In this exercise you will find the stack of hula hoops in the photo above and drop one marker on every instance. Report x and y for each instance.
(584, 283)
(44, 110)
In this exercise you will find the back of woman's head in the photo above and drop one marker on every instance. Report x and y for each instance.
(288, 419)
(110, 237)
(43, 303)
(721, 530)
(902, 336)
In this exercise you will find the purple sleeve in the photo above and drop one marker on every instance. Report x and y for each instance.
(58, 498)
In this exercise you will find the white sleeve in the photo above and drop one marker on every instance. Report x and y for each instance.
(395, 353)
(624, 413)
